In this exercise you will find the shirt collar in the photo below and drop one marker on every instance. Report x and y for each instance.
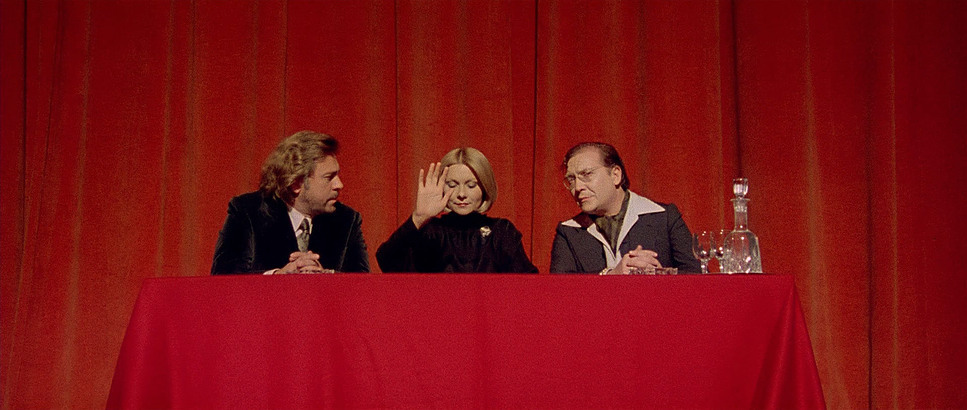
(610, 226)
(296, 217)
(637, 205)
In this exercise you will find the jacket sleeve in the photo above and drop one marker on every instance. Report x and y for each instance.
(235, 249)
(396, 254)
(562, 257)
(680, 239)
(357, 259)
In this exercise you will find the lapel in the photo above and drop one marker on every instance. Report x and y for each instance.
(277, 226)
(641, 217)
(587, 248)
(643, 232)
(329, 237)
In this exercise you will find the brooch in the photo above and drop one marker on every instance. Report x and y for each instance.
(485, 231)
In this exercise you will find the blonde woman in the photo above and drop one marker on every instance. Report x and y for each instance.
(463, 239)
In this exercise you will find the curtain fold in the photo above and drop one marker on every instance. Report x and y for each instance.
(919, 175)
(128, 126)
(12, 154)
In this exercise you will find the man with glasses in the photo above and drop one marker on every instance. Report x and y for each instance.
(618, 232)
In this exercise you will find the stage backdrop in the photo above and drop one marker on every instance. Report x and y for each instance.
(127, 127)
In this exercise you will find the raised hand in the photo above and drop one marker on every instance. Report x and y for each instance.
(431, 197)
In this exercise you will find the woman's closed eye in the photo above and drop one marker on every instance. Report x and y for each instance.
(454, 184)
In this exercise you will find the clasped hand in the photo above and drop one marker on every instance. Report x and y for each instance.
(637, 258)
(431, 195)
(303, 262)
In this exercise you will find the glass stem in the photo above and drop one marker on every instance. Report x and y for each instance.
(704, 265)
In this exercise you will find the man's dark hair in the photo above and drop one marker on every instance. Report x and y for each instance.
(609, 155)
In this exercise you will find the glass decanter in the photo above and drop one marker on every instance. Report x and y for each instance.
(741, 245)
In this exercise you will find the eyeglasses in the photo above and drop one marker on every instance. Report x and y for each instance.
(583, 176)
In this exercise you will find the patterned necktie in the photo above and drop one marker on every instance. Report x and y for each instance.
(303, 237)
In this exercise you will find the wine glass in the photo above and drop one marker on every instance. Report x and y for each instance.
(702, 248)
(718, 247)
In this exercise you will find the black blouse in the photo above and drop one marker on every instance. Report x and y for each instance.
(456, 243)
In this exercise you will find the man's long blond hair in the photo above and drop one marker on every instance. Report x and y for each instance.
(292, 161)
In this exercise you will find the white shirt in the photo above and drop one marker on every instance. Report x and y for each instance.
(296, 217)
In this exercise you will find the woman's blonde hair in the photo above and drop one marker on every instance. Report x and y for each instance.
(478, 164)
(293, 160)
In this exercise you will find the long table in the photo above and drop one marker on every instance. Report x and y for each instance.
(417, 341)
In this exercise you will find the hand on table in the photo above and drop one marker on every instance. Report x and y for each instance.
(302, 262)
(637, 258)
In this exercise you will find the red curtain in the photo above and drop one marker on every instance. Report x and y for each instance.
(127, 127)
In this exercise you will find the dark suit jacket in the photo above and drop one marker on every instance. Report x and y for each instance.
(576, 251)
(258, 236)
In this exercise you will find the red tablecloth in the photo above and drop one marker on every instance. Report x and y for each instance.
(420, 341)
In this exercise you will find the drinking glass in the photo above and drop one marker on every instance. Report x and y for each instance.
(718, 247)
(702, 248)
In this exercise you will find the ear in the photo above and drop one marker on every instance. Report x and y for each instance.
(296, 187)
(616, 175)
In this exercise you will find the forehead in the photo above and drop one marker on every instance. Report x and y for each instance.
(584, 159)
(326, 165)
(460, 173)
